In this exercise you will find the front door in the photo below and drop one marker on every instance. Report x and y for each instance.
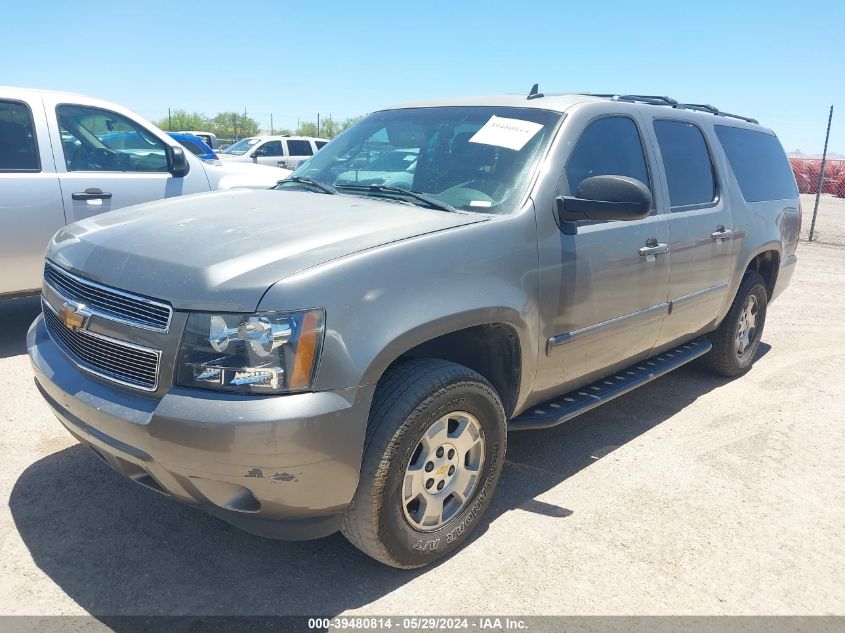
(106, 161)
(604, 289)
(269, 153)
(700, 227)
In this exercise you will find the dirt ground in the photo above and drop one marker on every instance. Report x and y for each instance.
(692, 495)
(830, 219)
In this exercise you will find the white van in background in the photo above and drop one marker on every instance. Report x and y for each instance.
(288, 152)
(65, 157)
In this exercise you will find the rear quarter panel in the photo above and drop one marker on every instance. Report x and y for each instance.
(771, 225)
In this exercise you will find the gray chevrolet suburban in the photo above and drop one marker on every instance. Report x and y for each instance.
(345, 353)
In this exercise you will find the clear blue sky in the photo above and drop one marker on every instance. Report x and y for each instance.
(781, 62)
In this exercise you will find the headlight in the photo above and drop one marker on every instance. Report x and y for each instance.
(268, 352)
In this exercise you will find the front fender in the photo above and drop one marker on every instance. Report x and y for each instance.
(382, 302)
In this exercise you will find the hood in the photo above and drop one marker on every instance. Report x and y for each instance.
(239, 174)
(223, 250)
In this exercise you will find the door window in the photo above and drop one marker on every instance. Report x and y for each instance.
(686, 159)
(270, 148)
(18, 151)
(609, 146)
(99, 140)
(299, 148)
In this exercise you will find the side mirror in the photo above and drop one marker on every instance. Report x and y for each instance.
(255, 156)
(604, 198)
(178, 162)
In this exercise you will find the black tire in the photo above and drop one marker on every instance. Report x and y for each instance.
(409, 399)
(724, 358)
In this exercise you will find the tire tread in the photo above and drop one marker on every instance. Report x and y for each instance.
(406, 387)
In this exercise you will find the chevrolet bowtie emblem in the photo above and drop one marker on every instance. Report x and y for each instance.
(74, 316)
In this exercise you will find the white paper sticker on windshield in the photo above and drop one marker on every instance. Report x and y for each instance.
(504, 132)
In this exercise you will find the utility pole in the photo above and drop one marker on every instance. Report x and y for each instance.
(235, 126)
(821, 175)
(169, 121)
(271, 124)
(318, 124)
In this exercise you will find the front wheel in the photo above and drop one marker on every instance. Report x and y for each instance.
(435, 448)
(736, 340)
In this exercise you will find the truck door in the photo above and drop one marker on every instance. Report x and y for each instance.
(31, 208)
(603, 290)
(106, 160)
(298, 151)
(700, 228)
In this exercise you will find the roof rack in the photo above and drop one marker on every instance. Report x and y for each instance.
(650, 99)
(667, 101)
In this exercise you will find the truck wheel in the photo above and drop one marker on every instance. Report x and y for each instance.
(435, 447)
(736, 340)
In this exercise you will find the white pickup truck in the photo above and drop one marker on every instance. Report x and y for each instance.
(65, 157)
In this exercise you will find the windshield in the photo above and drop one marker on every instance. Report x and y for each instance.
(472, 158)
(241, 147)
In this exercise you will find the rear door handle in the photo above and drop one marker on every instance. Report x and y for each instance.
(721, 233)
(91, 193)
(652, 248)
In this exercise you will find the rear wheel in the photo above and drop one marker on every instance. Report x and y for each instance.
(736, 340)
(435, 448)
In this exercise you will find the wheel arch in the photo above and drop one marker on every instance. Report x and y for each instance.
(766, 262)
(489, 341)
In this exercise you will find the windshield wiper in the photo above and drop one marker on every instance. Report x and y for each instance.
(303, 180)
(432, 202)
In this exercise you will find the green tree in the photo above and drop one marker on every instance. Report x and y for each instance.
(183, 120)
(329, 128)
(349, 122)
(228, 125)
(307, 128)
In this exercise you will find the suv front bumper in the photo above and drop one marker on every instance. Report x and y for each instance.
(279, 466)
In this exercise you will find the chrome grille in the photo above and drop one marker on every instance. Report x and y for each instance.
(110, 303)
(109, 358)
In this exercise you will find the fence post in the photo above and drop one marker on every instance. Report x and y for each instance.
(821, 175)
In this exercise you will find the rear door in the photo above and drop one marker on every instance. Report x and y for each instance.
(106, 160)
(31, 209)
(298, 151)
(700, 228)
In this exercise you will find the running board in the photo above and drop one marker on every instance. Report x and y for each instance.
(569, 405)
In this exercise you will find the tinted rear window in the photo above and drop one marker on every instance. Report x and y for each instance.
(759, 164)
(299, 148)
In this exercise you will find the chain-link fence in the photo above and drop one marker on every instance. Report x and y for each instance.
(830, 216)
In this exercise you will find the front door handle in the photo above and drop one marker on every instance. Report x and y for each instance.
(652, 248)
(721, 233)
(91, 193)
